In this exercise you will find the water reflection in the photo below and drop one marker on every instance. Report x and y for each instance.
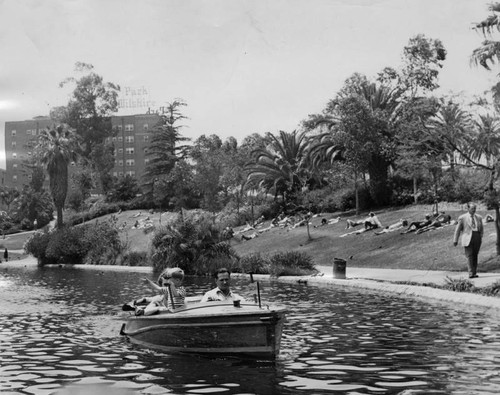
(59, 334)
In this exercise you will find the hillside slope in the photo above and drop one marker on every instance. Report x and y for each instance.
(431, 250)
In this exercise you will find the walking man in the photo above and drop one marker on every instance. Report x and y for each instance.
(471, 227)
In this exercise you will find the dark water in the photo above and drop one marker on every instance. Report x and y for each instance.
(59, 334)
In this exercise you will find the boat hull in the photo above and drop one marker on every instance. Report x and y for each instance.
(211, 328)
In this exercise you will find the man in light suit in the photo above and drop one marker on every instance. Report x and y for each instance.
(471, 227)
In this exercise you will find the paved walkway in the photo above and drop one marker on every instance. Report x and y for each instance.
(414, 276)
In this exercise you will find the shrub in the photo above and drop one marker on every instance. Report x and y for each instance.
(36, 245)
(458, 285)
(95, 244)
(66, 245)
(136, 258)
(193, 244)
(102, 242)
(492, 289)
(254, 263)
(291, 263)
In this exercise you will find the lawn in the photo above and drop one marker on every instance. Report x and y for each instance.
(432, 250)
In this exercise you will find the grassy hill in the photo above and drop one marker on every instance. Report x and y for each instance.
(432, 250)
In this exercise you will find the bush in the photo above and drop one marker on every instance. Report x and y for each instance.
(254, 263)
(94, 244)
(193, 244)
(492, 290)
(66, 245)
(291, 263)
(102, 243)
(136, 258)
(36, 245)
(458, 285)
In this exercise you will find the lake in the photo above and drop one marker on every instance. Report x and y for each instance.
(59, 334)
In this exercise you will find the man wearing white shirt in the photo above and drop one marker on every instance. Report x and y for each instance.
(470, 225)
(223, 291)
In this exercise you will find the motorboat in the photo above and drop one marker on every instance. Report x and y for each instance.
(229, 328)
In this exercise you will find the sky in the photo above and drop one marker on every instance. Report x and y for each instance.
(242, 66)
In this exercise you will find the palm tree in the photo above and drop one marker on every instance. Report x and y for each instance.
(280, 166)
(56, 148)
(362, 121)
(486, 144)
(453, 122)
(489, 51)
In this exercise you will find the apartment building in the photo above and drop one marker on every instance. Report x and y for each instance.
(19, 142)
(131, 143)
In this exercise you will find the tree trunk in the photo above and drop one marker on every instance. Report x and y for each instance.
(356, 191)
(60, 222)
(415, 190)
(497, 227)
(379, 186)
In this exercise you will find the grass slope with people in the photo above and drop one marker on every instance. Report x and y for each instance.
(432, 250)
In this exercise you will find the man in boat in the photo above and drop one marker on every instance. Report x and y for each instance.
(223, 290)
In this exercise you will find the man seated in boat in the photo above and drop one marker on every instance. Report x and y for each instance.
(222, 291)
(172, 293)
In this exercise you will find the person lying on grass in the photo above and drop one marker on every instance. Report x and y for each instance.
(414, 226)
(396, 226)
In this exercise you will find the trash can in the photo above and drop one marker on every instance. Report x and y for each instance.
(339, 268)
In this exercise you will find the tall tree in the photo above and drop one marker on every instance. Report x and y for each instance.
(489, 52)
(88, 112)
(165, 150)
(279, 166)
(367, 114)
(208, 158)
(56, 148)
(484, 144)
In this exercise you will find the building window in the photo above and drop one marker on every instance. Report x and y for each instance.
(129, 151)
(120, 139)
(120, 151)
(114, 139)
(129, 127)
(146, 126)
(30, 177)
(131, 173)
(29, 153)
(14, 155)
(120, 174)
(14, 166)
(146, 137)
(130, 162)
(129, 139)
(14, 144)
(120, 163)
(146, 161)
(119, 127)
(14, 178)
(115, 174)
(13, 133)
(28, 131)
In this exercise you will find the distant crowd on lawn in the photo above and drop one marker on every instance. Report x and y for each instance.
(431, 221)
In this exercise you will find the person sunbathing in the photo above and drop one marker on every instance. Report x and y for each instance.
(416, 225)
(396, 226)
(371, 222)
(442, 220)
